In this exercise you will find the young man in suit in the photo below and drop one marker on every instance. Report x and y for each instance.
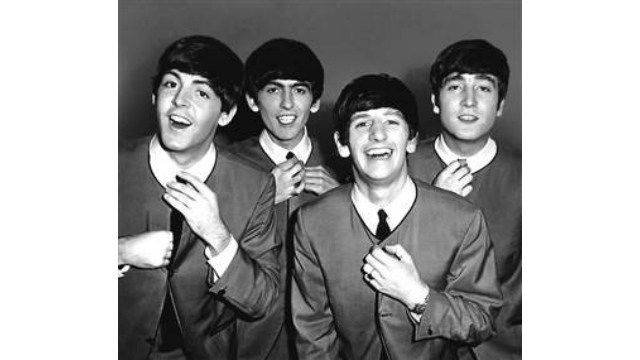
(195, 223)
(469, 80)
(387, 267)
(283, 84)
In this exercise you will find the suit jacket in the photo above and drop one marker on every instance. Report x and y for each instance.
(206, 311)
(337, 315)
(497, 190)
(267, 338)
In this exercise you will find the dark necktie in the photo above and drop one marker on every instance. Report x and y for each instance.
(175, 225)
(383, 228)
(290, 155)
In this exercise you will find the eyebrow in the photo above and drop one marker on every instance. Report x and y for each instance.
(196, 81)
(480, 76)
(362, 114)
(296, 83)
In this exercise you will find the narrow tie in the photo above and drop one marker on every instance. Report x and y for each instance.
(175, 225)
(290, 155)
(383, 228)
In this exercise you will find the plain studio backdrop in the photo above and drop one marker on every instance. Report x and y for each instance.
(351, 38)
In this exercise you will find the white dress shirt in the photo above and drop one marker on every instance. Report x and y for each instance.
(396, 210)
(475, 162)
(278, 154)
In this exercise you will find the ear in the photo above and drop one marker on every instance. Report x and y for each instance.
(343, 150)
(252, 103)
(315, 107)
(153, 99)
(225, 118)
(500, 107)
(436, 109)
(411, 145)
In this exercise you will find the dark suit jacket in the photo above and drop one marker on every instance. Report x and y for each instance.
(497, 190)
(206, 311)
(266, 338)
(337, 315)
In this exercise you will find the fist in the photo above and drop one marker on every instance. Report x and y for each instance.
(147, 250)
(456, 178)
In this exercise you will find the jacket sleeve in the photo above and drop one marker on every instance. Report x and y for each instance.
(466, 309)
(316, 336)
(251, 281)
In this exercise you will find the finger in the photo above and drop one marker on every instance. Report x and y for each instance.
(376, 264)
(382, 256)
(288, 164)
(461, 172)
(466, 179)
(399, 252)
(300, 186)
(184, 189)
(186, 200)
(450, 168)
(176, 204)
(367, 268)
(193, 181)
(295, 169)
(466, 190)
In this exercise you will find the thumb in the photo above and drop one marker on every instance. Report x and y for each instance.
(400, 253)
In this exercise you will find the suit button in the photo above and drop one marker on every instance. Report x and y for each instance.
(429, 331)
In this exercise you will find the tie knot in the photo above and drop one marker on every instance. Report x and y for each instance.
(290, 155)
(382, 215)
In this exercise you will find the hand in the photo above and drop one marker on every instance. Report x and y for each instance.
(318, 180)
(199, 206)
(289, 176)
(456, 178)
(392, 272)
(148, 250)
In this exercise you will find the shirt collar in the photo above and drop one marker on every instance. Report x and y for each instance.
(278, 154)
(396, 210)
(476, 161)
(164, 169)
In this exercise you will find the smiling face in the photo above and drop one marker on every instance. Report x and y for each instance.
(468, 107)
(284, 107)
(188, 112)
(378, 143)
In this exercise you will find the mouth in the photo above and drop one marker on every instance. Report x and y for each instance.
(379, 154)
(286, 119)
(468, 117)
(179, 122)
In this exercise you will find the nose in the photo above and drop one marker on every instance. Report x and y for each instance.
(286, 101)
(378, 131)
(180, 97)
(469, 98)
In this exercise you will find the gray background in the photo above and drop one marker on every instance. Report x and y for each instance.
(351, 38)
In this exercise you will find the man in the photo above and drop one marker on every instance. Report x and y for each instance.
(185, 288)
(469, 81)
(388, 267)
(283, 84)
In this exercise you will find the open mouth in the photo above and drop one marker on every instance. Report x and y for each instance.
(468, 117)
(286, 119)
(378, 154)
(179, 122)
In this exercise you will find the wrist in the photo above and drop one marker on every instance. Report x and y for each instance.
(418, 298)
(122, 251)
(218, 241)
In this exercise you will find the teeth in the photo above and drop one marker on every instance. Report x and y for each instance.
(179, 120)
(286, 119)
(378, 153)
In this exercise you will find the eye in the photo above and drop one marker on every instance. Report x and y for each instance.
(452, 87)
(271, 89)
(203, 94)
(169, 84)
(393, 122)
(301, 90)
(485, 88)
(362, 124)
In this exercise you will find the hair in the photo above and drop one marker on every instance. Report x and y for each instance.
(283, 59)
(207, 57)
(476, 56)
(369, 92)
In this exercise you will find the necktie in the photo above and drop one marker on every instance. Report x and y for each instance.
(383, 228)
(290, 155)
(175, 225)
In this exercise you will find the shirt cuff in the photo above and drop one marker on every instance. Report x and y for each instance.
(122, 270)
(219, 263)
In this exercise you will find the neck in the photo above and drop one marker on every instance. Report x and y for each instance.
(464, 148)
(381, 193)
(287, 144)
(187, 159)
